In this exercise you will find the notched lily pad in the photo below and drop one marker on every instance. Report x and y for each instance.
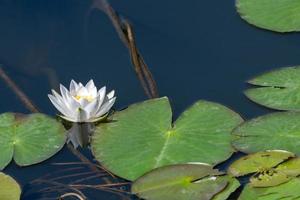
(233, 185)
(280, 16)
(9, 188)
(290, 167)
(142, 137)
(278, 89)
(289, 191)
(29, 139)
(258, 162)
(186, 181)
(273, 131)
(271, 168)
(268, 178)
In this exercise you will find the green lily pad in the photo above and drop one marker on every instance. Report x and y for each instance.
(269, 177)
(273, 131)
(29, 139)
(141, 137)
(286, 191)
(180, 182)
(232, 186)
(259, 161)
(280, 16)
(9, 188)
(290, 167)
(280, 89)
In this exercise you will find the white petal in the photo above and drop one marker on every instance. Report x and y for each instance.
(83, 116)
(82, 91)
(106, 107)
(111, 94)
(101, 95)
(91, 107)
(73, 86)
(64, 104)
(58, 97)
(64, 92)
(83, 102)
(92, 90)
(90, 84)
(68, 100)
(58, 106)
(73, 103)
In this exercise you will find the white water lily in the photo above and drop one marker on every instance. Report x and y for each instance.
(82, 103)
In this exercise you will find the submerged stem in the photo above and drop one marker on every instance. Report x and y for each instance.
(126, 34)
(20, 94)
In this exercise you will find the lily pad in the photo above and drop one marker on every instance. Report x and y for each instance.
(232, 186)
(29, 139)
(273, 131)
(258, 161)
(179, 182)
(141, 137)
(287, 191)
(280, 16)
(290, 167)
(269, 177)
(280, 89)
(9, 188)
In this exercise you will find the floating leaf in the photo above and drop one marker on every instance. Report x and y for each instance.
(273, 131)
(9, 188)
(287, 191)
(280, 89)
(258, 162)
(29, 139)
(141, 137)
(232, 185)
(269, 177)
(280, 16)
(290, 167)
(178, 182)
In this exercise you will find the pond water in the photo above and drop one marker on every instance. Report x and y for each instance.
(195, 50)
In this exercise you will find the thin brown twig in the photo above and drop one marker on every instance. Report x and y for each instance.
(46, 176)
(72, 194)
(125, 33)
(20, 94)
(141, 68)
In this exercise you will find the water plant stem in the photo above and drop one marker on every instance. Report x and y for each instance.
(20, 94)
(126, 34)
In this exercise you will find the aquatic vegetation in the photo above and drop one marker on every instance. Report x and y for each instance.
(289, 190)
(275, 175)
(29, 139)
(9, 188)
(278, 89)
(82, 103)
(279, 130)
(280, 16)
(186, 181)
(161, 158)
(143, 137)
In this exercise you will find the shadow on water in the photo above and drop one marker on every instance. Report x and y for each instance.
(196, 50)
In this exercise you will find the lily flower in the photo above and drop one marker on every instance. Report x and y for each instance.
(82, 103)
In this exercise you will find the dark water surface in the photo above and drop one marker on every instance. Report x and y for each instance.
(195, 49)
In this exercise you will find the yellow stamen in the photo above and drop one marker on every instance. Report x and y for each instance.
(88, 98)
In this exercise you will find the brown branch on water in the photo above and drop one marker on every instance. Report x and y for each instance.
(73, 195)
(20, 94)
(126, 34)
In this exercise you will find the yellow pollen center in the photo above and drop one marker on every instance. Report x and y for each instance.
(88, 98)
